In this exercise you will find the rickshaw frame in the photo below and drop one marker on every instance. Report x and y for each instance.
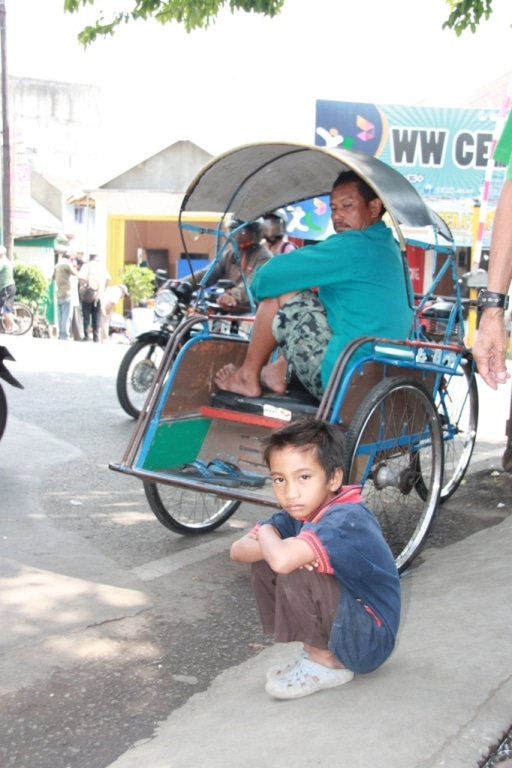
(397, 446)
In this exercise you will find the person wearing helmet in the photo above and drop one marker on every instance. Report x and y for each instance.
(274, 232)
(161, 279)
(251, 254)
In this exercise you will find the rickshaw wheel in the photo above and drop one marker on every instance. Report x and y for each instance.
(394, 444)
(186, 511)
(457, 403)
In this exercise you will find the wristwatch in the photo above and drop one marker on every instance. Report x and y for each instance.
(491, 299)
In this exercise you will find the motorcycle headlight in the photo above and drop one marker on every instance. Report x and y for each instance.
(165, 304)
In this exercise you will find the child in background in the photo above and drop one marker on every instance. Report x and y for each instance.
(321, 571)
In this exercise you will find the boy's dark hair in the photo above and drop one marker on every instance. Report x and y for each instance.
(364, 189)
(307, 432)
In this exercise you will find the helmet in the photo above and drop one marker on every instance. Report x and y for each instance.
(161, 276)
(279, 219)
(251, 233)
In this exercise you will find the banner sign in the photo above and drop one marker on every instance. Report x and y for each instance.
(443, 152)
(311, 219)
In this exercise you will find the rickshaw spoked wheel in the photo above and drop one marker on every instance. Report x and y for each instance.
(185, 511)
(394, 445)
(457, 403)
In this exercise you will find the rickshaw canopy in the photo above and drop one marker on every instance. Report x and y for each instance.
(252, 179)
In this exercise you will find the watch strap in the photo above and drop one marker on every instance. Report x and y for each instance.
(492, 299)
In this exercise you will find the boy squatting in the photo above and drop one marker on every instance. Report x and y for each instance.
(321, 570)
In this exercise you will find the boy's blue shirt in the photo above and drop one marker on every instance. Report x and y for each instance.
(348, 543)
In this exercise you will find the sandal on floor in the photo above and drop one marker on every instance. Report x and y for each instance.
(306, 678)
(229, 474)
(219, 472)
(196, 470)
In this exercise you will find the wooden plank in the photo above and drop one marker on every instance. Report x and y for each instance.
(241, 418)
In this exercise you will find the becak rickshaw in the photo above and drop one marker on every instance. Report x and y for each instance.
(409, 408)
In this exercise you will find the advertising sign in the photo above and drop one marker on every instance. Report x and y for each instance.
(442, 151)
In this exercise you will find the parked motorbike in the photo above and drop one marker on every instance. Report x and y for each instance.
(7, 376)
(138, 367)
(437, 314)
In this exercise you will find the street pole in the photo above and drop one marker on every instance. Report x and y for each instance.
(473, 276)
(6, 142)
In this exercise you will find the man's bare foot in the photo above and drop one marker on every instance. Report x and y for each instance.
(273, 376)
(236, 380)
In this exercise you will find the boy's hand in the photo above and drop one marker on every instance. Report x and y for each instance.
(285, 555)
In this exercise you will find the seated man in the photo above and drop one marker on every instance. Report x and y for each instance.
(252, 255)
(362, 290)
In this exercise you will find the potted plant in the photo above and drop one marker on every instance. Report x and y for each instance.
(140, 282)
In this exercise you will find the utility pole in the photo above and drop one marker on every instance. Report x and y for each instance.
(6, 142)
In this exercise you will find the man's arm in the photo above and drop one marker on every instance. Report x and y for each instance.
(238, 293)
(490, 345)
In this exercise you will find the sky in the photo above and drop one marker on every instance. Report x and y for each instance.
(249, 78)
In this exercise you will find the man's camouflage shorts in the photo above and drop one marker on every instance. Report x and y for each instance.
(301, 329)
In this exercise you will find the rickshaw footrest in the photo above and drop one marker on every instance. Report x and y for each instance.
(242, 418)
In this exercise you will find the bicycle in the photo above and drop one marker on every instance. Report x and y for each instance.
(23, 317)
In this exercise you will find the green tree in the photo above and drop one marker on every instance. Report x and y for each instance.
(140, 282)
(193, 14)
(31, 284)
(467, 14)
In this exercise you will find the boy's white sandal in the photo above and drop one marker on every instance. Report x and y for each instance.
(277, 670)
(305, 678)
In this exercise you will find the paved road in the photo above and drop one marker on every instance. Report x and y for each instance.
(110, 622)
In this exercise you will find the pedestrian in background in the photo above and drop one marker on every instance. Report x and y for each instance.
(77, 322)
(93, 280)
(62, 274)
(113, 294)
(7, 290)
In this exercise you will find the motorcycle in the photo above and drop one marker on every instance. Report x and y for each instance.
(174, 301)
(7, 376)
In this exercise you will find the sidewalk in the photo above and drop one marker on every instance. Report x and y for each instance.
(442, 699)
